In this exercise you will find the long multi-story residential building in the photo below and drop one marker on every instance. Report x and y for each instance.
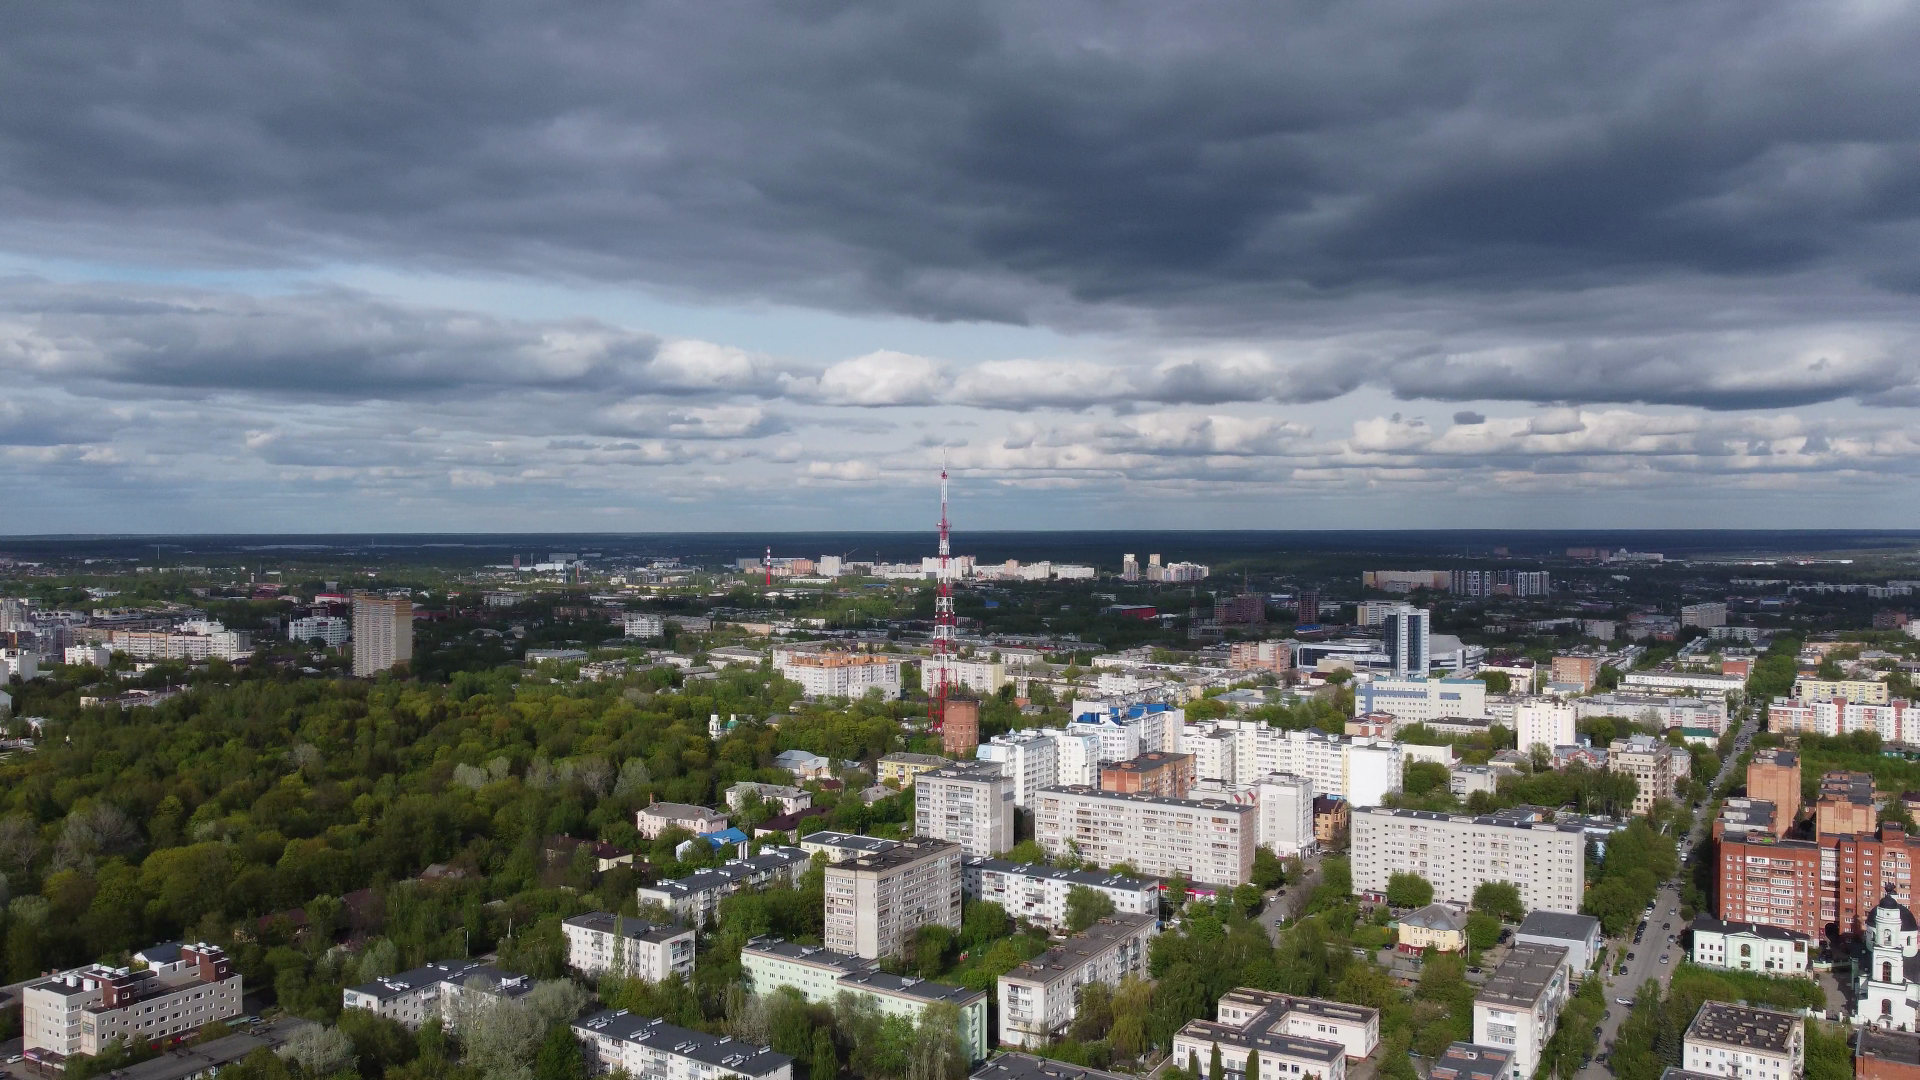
(969, 803)
(1698, 682)
(1206, 840)
(181, 989)
(1544, 722)
(1039, 998)
(824, 675)
(1895, 722)
(411, 998)
(876, 902)
(1361, 770)
(601, 942)
(1662, 710)
(382, 633)
(822, 975)
(1457, 854)
(1519, 1007)
(1127, 730)
(1416, 699)
(1650, 762)
(1029, 758)
(1038, 894)
(1711, 613)
(329, 630)
(694, 897)
(1744, 1043)
(649, 1048)
(1864, 691)
(1155, 772)
(899, 770)
(217, 643)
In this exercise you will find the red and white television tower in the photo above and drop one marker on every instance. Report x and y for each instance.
(943, 618)
(767, 565)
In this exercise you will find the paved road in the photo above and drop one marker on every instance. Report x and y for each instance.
(1653, 945)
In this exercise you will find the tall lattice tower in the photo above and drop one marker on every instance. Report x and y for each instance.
(943, 618)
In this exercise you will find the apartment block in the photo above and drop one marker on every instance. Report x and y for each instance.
(899, 770)
(181, 989)
(790, 800)
(649, 1048)
(1361, 770)
(1544, 722)
(1744, 1042)
(412, 997)
(1764, 878)
(329, 630)
(1668, 679)
(1276, 656)
(824, 675)
(1459, 853)
(1286, 813)
(1205, 840)
(969, 803)
(1038, 894)
(1712, 613)
(1650, 762)
(601, 942)
(1155, 772)
(1864, 691)
(693, 898)
(980, 676)
(822, 975)
(1895, 722)
(382, 633)
(1518, 1008)
(876, 902)
(1581, 671)
(1846, 806)
(1039, 998)
(1028, 758)
(1666, 711)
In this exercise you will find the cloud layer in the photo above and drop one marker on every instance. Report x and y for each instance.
(1633, 246)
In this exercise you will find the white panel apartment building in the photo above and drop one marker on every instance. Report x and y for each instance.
(692, 898)
(648, 1048)
(1038, 894)
(1038, 999)
(181, 989)
(1544, 722)
(1028, 758)
(1076, 759)
(1745, 1043)
(601, 942)
(1663, 710)
(969, 803)
(1458, 853)
(1518, 1008)
(1414, 700)
(411, 998)
(1359, 770)
(1206, 840)
(840, 675)
(876, 902)
(1286, 813)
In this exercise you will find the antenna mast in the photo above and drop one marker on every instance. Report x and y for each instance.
(943, 617)
(767, 564)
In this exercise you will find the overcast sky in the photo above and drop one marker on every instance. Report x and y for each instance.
(457, 264)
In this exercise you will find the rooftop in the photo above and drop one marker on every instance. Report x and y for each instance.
(1786, 759)
(606, 922)
(726, 1053)
(930, 760)
(1523, 976)
(860, 971)
(1066, 958)
(1554, 924)
(1152, 759)
(731, 871)
(184, 1062)
(1092, 878)
(851, 841)
(1217, 805)
(1465, 1061)
(1496, 820)
(902, 854)
(1744, 1026)
(1027, 1067)
(681, 810)
(1434, 917)
(1705, 923)
(1900, 1047)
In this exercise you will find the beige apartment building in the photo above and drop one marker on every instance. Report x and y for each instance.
(181, 989)
(1650, 762)
(1203, 840)
(876, 902)
(382, 633)
(969, 803)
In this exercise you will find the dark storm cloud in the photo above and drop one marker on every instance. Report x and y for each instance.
(964, 160)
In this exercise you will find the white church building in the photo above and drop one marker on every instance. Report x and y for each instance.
(1888, 993)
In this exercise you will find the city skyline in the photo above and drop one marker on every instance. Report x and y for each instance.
(1231, 266)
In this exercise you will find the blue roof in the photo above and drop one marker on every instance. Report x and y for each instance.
(724, 837)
